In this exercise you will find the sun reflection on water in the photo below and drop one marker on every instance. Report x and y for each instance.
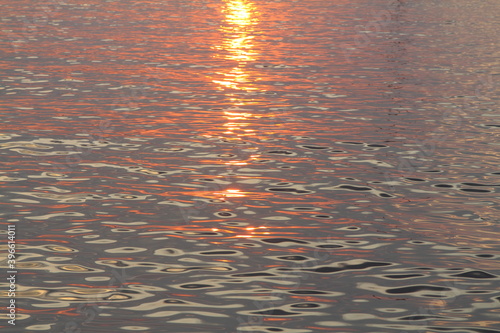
(238, 12)
(237, 45)
(237, 79)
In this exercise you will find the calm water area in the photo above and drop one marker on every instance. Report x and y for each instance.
(241, 166)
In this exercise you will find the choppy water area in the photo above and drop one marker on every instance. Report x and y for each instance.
(251, 166)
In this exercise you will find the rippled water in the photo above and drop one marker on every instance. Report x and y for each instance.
(251, 166)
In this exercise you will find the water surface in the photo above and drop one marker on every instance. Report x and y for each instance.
(251, 166)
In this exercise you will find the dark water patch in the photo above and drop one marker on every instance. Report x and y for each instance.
(225, 214)
(355, 188)
(283, 240)
(275, 312)
(329, 246)
(305, 305)
(294, 258)
(304, 209)
(475, 190)
(350, 143)
(197, 286)
(289, 190)
(403, 276)
(281, 152)
(350, 178)
(425, 317)
(308, 292)
(252, 274)
(313, 147)
(488, 256)
(340, 267)
(417, 288)
(177, 270)
(416, 179)
(476, 275)
(322, 216)
(376, 145)
(174, 301)
(475, 292)
(463, 329)
(219, 253)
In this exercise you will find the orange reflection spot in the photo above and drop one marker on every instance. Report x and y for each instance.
(238, 114)
(234, 194)
(312, 299)
(236, 163)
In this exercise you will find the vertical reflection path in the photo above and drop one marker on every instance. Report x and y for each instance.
(238, 80)
(237, 47)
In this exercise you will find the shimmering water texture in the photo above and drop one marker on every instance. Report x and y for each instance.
(251, 166)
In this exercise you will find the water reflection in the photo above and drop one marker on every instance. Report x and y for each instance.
(237, 45)
(238, 30)
(215, 217)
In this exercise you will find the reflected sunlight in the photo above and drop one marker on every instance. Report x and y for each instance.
(238, 12)
(234, 193)
(254, 232)
(237, 43)
(238, 30)
(230, 193)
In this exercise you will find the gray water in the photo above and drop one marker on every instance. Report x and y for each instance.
(250, 166)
